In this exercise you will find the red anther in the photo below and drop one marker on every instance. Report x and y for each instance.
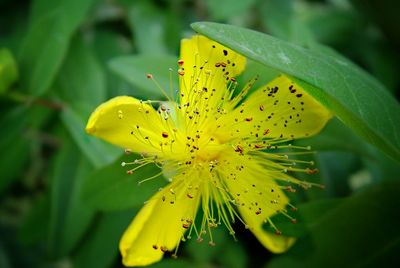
(223, 64)
(128, 151)
(261, 107)
(129, 172)
(217, 64)
(294, 221)
(233, 79)
(266, 132)
(312, 171)
(239, 149)
(258, 146)
(249, 119)
(164, 134)
(163, 249)
(190, 196)
(258, 212)
(186, 225)
(155, 247)
(293, 208)
(163, 108)
(211, 244)
(149, 76)
(277, 232)
(180, 62)
(181, 72)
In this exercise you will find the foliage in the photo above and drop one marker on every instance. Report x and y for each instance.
(65, 198)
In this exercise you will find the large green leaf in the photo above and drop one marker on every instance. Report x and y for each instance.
(46, 43)
(100, 248)
(81, 83)
(69, 217)
(110, 188)
(97, 151)
(355, 97)
(8, 69)
(359, 231)
(134, 69)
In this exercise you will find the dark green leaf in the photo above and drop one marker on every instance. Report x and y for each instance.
(355, 97)
(100, 249)
(148, 25)
(226, 9)
(46, 43)
(86, 88)
(8, 70)
(110, 188)
(134, 69)
(362, 231)
(69, 217)
(97, 151)
(13, 145)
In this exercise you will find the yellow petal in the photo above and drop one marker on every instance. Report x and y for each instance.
(129, 123)
(158, 226)
(206, 69)
(280, 109)
(258, 198)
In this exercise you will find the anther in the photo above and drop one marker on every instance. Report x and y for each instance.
(149, 76)
(180, 62)
(164, 134)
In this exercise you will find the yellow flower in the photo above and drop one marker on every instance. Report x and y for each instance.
(224, 151)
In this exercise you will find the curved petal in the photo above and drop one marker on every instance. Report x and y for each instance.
(258, 198)
(206, 69)
(129, 123)
(158, 226)
(280, 109)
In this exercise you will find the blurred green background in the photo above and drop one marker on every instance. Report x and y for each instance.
(64, 198)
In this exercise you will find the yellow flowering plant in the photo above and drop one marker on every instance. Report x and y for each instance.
(226, 152)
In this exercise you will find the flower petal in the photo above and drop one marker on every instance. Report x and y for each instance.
(158, 226)
(129, 123)
(206, 69)
(258, 198)
(280, 109)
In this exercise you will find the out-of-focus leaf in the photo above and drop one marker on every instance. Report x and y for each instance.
(100, 249)
(337, 137)
(134, 69)
(110, 188)
(362, 231)
(336, 169)
(8, 70)
(36, 224)
(81, 81)
(46, 43)
(148, 26)
(356, 98)
(277, 16)
(232, 255)
(226, 9)
(109, 44)
(13, 145)
(69, 217)
(97, 151)
(4, 262)
(178, 263)
(306, 216)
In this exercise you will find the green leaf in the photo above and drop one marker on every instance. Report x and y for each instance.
(227, 9)
(81, 82)
(362, 231)
(69, 217)
(13, 145)
(46, 43)
(355, 97)
(8, 70)
(98, 152)
(134, 69)
(100, 248)
(35, 225)
(148, 26)
(111, 188)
